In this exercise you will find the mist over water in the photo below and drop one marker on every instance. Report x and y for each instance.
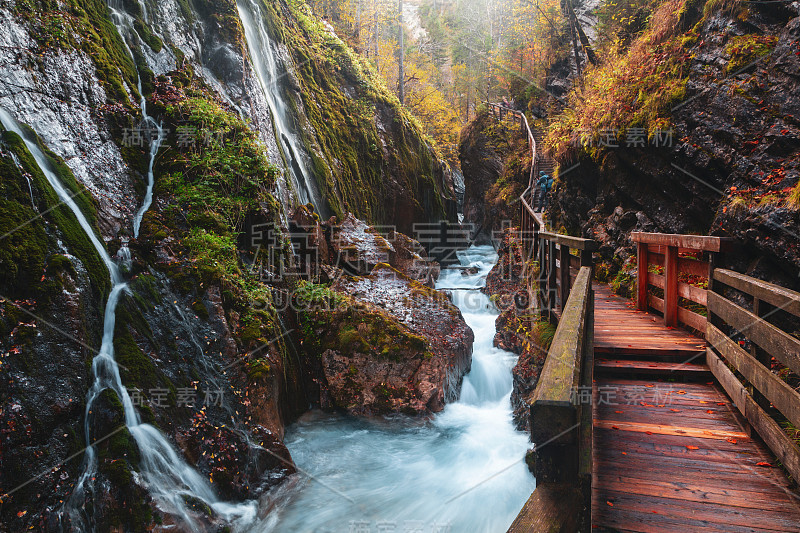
(463, 469)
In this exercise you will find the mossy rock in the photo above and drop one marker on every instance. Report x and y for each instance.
(27, 240)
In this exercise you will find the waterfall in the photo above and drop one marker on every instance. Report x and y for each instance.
(270, 71)
(167, 476)
(124, 24)
(124, 257)
(15, 159)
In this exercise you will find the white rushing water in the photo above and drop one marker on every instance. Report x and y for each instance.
(270, 72)
(150, 130)
(461, 470)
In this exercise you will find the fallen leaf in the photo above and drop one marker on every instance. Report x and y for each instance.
(709, 411)
(762, 463)
(731, 440)
(690, 447)
(675, 410)
(609, 503)
(648, 432)
(624, 453)
(614, 427)
(681, 392)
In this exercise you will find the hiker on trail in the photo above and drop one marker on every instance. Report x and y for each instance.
(545, 183)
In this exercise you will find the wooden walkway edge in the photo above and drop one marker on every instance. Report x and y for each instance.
(670, 452)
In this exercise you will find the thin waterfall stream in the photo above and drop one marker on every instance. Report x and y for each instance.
(167, 476)
(268, 68)
(124, 23)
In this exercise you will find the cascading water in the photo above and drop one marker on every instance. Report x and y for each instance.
(462, 469)
(166, 475)
(269, 71)
(15, 159)
(124, 23)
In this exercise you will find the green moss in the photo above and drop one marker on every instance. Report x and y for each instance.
(745, 49)
(258, 369)
(200, 309)
(147, 35)
(25, 243)
(84, 25)
(137, 370)
(345, 125)
(352, 328)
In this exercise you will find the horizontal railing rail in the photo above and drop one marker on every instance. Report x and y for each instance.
(561, 426)
(672, 253)
(529, 224)
(747, 340)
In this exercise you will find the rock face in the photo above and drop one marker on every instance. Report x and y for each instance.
(434, 376)
(481, 165)
(385, 341)
(496, 171)
(214, 365)
(733, 159)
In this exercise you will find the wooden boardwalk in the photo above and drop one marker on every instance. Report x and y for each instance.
(670, 452)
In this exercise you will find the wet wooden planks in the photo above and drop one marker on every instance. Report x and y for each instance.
(677, 457)
(620, 328)
(670, 455)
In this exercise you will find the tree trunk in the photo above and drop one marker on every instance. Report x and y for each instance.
(401, 53)
(358, 26)
(574, 39)
(375, 35)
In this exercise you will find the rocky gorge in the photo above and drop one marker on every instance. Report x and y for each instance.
(690, 127)
(213, 333)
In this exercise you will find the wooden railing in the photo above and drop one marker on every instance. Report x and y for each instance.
(673, 254)
(561, 424)
(760, 391)
(529, 224)
(556, 267)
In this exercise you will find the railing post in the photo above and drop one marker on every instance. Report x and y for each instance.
(564, 275)
(551, 281)
(670, 286)
(586, 259)
(641, 276)
(542, 285)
